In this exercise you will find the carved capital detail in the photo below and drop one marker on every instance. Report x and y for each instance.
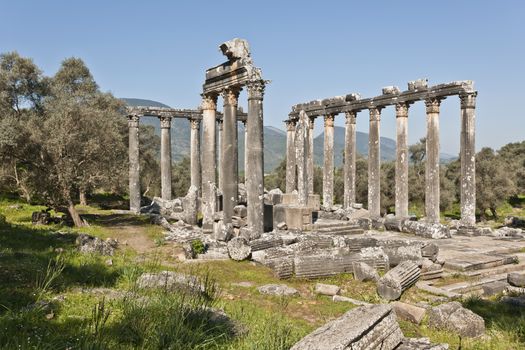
(195, 123)
(133, 121)
(375, 114)
(468, 100)
(255, 89)
(165, 122)
(351, 117)
(432, 105)
(290, 124)
(311, 122)
(401, 110)
(219, 123)
(231, 96)
(329, 120)
(209, 101)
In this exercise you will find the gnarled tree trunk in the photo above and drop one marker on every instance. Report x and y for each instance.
(77, 220)
(83, 199)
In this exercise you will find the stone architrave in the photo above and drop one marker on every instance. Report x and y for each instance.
(134, 164)
(228, 158)
(350, 157)
(195, 154)
(328, 169)
(302, 148)
(432, 161)
(310, 155)
(374, 164)
(209, 109)
(165, 157)
(290, 156)
(468, 159)
(401, 200)
(255, 156)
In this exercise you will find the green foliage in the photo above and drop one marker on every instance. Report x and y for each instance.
(197, 246)
(277, 178)
(181, 177)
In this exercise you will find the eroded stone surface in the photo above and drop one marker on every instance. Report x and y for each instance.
(454, 317)
(277, 289)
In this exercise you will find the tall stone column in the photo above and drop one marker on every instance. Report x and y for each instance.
(235, 142)
(290, 156)
(328, 169)
(302, 149)
(219, 151)
(468, 159)
(228, 158)
(255, 154)
(209, 109)
(244, 123)
(432, 163)
(165, 157)
(401, 203)
(350, 156)
(195, 154)
(374, 164)
(310, 155)
(134, 164)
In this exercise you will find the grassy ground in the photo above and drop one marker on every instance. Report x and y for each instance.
(53, 297)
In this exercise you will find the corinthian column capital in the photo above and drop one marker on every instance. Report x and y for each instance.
(351, 117)
(329, 120)
(375, 114)
(165, 122)
(432, 105)
(231, 96)
(133, 121)
(195, 123)
(401, 110)
(209, 101)
(468, 100)
(255, 89)
(290, 124)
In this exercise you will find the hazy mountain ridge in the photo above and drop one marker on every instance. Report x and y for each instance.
(274, 141)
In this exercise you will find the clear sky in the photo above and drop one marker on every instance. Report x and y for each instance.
(159, 50)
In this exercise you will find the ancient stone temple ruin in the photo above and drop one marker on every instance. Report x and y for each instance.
(300, 153)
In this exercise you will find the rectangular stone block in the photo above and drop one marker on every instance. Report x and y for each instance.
(295, 217)
(314, 200)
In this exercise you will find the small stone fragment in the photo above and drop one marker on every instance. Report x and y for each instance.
(409, 312)
(454, 317)
(364, 272)
(277, 289)
(516, 279)
(327, 289)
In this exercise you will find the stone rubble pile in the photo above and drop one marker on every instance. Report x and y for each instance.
(90, 244)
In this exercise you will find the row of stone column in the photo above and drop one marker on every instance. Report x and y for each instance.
(228, 161)
(432, 191)
(165, 158)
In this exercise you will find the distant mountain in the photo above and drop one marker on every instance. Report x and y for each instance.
(274, 141)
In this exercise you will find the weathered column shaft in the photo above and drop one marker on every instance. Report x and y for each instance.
(195, 154)
(328, 169)
(235, 149)
(350, 157)
(374, 164)
(219, 152)
(228, 158)
(244, 123)
(255, 155)
(134, 164)
(165, 157)
(401, 201)
(209, 107)
(432, 161)
(290, 156)
(468, 159)
(302, 145)
(310, 155)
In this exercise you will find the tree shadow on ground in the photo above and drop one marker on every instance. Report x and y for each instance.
(113, 220)
(499, 315)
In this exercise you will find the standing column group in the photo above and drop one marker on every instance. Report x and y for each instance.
(401, 200)
(350, 152)
(290, 156)
(432, 161)
(134, 165)
(374, 164)
(209, 110)
(328, 169)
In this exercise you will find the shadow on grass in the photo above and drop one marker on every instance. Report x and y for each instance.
(113, 220)
(499, 315)
(25, 254)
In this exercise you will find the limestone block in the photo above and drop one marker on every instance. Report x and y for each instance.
(390, 90)
(327, 289)
(516, 279)
(239, 249)
(339, 298)
(366, 327)
(426, 230)
(409, 312)
(364, 272)
(240, 211)
(420, 84)
(420, 344)
(295, 217)
(277, 289)
(494, 288)
(265, 243)
(169, 280)
(222, 232)
(454, 317)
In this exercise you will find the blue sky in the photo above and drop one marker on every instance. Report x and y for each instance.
(309, 49)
